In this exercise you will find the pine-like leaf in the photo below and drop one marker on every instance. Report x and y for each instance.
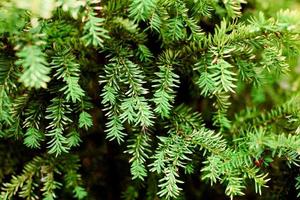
(94, 33)
(141, 9)
(57, 113)
(223, 77)
(35, 65)
(85, 120)
(167, 81)
(138, 150)
(68, 70)
(33, 137)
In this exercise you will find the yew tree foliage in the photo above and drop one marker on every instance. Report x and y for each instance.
(179, 82)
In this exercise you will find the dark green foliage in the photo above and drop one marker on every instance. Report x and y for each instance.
(45, 170)
(185, 88)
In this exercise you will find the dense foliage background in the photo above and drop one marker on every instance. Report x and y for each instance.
(149, 99)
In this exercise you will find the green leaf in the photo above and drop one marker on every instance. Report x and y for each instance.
(206, 83)
(169, 183)
(115, 129)
(85, 120)
(68, 70)
(138, 149)
(35, 65)
(73, 139)
(94, 33)
(223, 77)
(57, 113)
(79, 192)
(5, 107)
(33, 137)
(167, 81)
(141, 9)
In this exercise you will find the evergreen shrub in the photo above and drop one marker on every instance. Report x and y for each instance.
(206, 90)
